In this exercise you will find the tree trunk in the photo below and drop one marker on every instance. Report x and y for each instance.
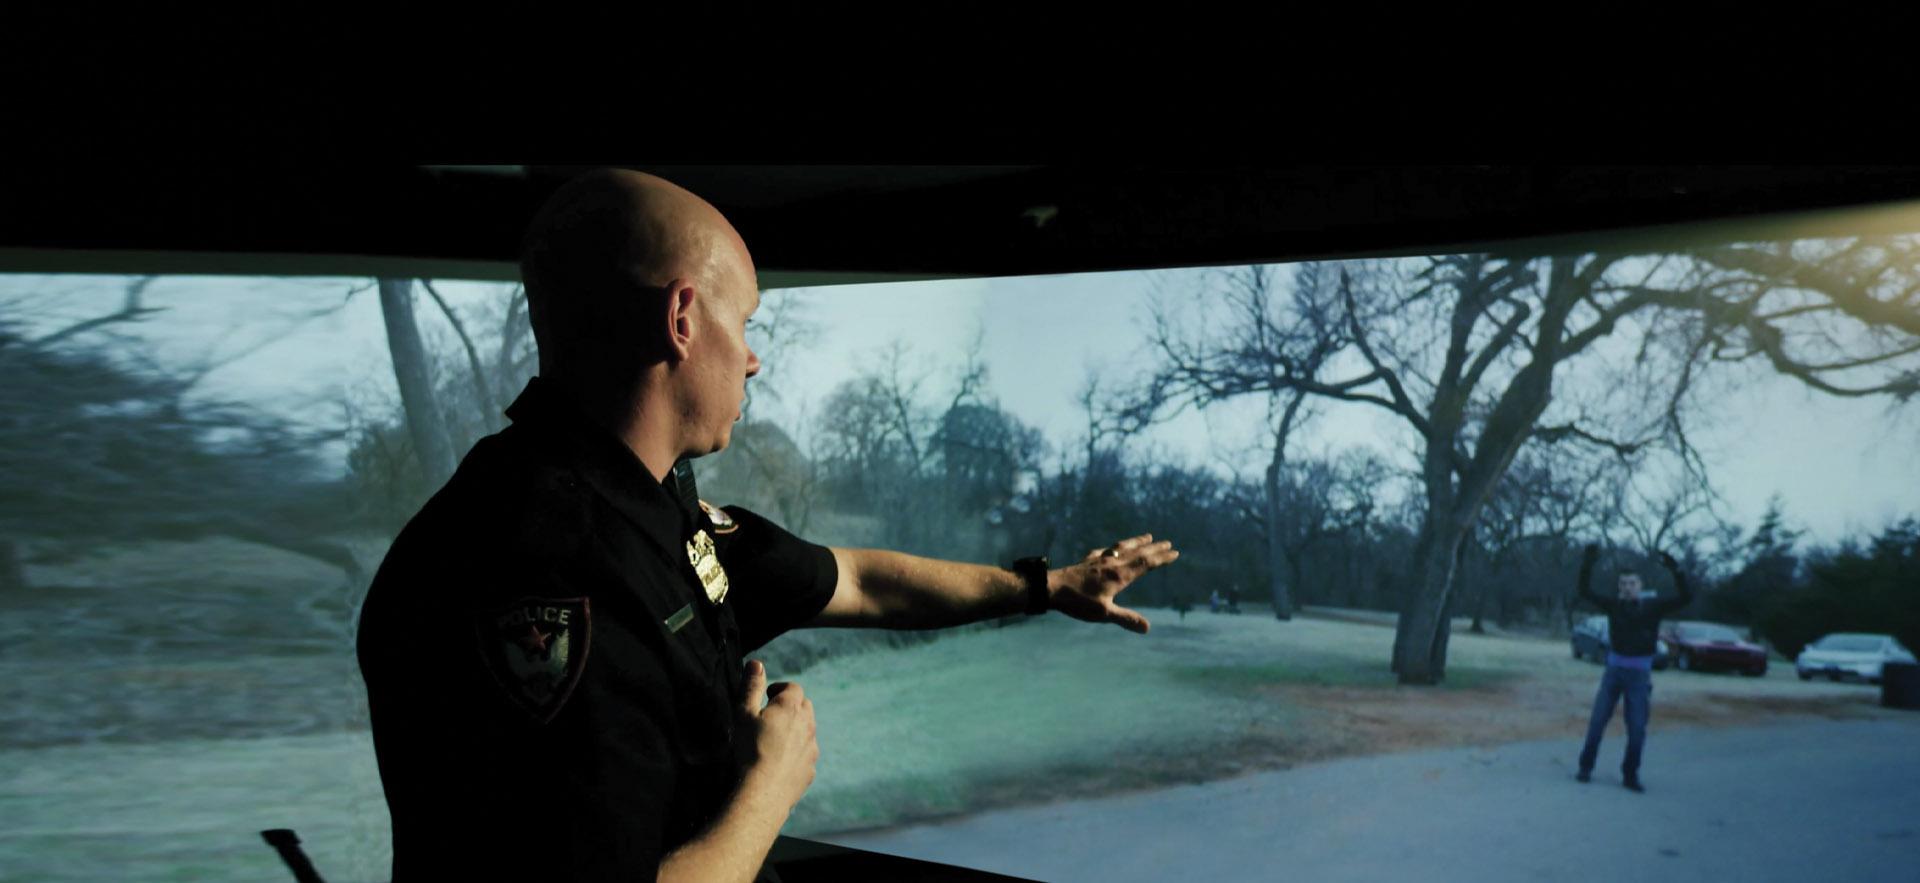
(1279, 563)
(412, 369)
(1419, 653)
(1420, 641)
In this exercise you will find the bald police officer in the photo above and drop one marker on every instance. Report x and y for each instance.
(553, 646)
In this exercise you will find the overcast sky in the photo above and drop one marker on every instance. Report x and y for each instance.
(1841, 466)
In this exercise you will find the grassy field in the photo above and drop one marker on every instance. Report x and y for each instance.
(1056, 709)
(152, 727)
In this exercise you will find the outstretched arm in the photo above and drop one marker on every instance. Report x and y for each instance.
(878, 588)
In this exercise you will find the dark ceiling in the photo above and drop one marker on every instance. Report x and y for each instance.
(855, 221)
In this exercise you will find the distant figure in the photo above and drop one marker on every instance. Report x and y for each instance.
(1633, 623)
(1215, 602)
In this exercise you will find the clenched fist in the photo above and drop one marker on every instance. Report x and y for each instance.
(782, 730)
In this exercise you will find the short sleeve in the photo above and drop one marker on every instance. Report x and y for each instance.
(777, 581)
(555, 736)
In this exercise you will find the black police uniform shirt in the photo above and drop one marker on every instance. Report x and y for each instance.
(552, 689)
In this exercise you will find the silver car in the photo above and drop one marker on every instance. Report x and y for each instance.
(1850, 655)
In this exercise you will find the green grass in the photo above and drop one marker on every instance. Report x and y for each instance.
(1326, 671)
(1056, 708)
(133, 677)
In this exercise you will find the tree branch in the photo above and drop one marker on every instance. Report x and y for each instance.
(482, 393)
(1770, 343)
(1556, 434)
(130, 311)
(1504, 337)
(1850, 296)
(1400, 404)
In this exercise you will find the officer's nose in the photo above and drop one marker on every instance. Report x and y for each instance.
(753, 362)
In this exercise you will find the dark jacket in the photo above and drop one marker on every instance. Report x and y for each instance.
(1633, 627)
(551, 681)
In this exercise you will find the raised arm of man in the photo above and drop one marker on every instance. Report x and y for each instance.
(1584, 590)
(1683, 592)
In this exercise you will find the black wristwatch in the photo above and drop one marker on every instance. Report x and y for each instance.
(1034, 571)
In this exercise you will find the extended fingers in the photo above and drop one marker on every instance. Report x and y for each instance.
(1128, 544)
(1147, 556)
(1159, 554)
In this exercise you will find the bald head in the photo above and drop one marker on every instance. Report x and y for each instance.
(597, 258)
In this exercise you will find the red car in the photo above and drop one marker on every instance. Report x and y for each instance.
(1701, 646)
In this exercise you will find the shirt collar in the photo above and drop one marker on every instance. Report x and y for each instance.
(605, 462)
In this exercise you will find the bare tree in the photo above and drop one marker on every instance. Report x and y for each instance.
(1277, 342)
(413, 370)
(483, 393)
(447, 399)
(938, 473)
(103, 443)
(1465, 349)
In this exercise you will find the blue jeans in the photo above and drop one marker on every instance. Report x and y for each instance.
(1637, 687)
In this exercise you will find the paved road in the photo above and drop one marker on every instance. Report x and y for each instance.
(1799, 802)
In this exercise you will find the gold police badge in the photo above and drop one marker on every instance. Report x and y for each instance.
(706, 564)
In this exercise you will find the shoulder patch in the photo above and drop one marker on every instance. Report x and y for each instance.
(718, 518)
(536, 649)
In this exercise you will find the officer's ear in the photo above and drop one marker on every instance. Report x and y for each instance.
(679, 316)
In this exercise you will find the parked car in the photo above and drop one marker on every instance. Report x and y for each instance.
(1590, 642)
(1850, 655)
(1710, 646)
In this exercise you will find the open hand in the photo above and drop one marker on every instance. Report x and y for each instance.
(1085, 591)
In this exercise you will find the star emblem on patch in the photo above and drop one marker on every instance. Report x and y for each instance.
(536, 649)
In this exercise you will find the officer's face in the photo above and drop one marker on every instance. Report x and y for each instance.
(726, 359)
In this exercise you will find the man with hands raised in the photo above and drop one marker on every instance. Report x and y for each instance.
(1633, 629)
